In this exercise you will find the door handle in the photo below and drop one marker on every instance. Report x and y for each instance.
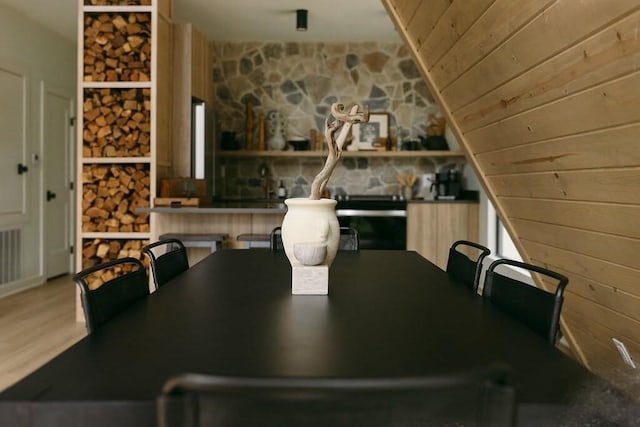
(22, 168)
(50, 195)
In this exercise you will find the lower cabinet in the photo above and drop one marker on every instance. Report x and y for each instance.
(433, 227)
(220, 223)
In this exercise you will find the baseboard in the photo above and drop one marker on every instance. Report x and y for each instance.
(11, 288)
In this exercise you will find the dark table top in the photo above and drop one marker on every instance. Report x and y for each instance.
(388, 313)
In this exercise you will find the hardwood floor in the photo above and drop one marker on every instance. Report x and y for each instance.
(35, 326)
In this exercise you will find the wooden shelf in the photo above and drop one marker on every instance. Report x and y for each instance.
(116, 8)
(88, 84)
(117, 160)
(116, 236)
(395, 154)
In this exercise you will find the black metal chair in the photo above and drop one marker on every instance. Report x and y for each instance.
(109, 288)
(479, 398)
(464, 269)
(276, 239)
(535, 307)
(349, 239)
(168, 258)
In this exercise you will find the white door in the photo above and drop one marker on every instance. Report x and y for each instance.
(14, 171)
(56, 142)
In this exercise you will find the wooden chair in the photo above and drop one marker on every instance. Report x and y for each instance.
(535, 307)
(168, 258)
(464, 269)
(349, 239)
(109, 288)
(479, 398)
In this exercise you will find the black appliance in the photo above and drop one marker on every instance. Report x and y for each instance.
(447, 185)
(381, 220)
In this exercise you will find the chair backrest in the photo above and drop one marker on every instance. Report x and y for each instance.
(537, 308)
(349, 239)
(276, 239)
(109, 288)
(462, 268)
(479, 398)
(168, 258)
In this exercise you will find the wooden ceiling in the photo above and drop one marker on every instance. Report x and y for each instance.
(544, 97)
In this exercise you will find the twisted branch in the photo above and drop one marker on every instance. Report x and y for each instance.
(343, 121)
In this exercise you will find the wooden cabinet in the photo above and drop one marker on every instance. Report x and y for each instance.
(433, 227)
(192, 76)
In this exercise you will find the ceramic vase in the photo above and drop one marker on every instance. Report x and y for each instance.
(311, 223)
(275, 128)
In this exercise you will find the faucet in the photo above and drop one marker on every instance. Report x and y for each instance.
(265, 174)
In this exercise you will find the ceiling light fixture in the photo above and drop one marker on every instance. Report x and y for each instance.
(301, 19)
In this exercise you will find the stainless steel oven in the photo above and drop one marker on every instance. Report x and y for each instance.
(381, 221)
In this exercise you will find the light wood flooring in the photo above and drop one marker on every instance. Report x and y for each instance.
(35, 326)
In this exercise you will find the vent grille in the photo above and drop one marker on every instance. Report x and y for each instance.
(10, 255)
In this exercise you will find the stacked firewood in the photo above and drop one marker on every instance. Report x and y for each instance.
(117, 47)
(98, 251)
(110, 196)
(116, 122)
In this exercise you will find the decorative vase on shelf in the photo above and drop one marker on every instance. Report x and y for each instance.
(310, 236)
(275, 126)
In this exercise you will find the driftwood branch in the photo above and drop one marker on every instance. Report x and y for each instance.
(343, 122)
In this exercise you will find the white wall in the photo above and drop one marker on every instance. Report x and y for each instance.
(43, 57)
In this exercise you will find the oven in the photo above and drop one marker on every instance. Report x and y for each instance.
(381, 221)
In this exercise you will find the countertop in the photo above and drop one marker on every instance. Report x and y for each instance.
(225, 207)
(259, 206)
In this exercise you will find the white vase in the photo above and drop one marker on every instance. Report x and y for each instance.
(276, 139)
(310, 222)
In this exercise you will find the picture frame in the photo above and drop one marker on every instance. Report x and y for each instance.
(371, 135)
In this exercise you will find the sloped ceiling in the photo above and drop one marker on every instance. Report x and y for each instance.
(544, 96)
(245, 20)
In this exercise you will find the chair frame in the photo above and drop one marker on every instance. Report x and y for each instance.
(484, 252)
(153, 260)
(92, 322)
(552, 333)
(276, 233)
(493, 384)
(274, 236)
(353, 233)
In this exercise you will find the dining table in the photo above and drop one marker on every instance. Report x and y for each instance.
(387, 314)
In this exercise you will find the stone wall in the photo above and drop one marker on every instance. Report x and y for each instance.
(301, 81)
(353, 175)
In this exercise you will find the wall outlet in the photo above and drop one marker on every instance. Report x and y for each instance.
(626, 357)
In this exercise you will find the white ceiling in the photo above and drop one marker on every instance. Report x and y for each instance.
(245, 20)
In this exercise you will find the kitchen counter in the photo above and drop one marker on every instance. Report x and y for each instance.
(432, 225)
(229, 216)
(255, 207)
(223, 207)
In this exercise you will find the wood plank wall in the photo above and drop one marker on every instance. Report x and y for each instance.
(544, 96)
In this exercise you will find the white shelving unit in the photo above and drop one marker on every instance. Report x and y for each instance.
(155, 23)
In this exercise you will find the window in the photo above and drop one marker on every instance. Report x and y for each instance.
(504, 245)
(496, 238)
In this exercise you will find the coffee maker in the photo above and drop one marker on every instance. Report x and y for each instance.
(447, 185)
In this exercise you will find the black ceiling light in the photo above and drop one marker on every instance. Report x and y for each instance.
(301, 19)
